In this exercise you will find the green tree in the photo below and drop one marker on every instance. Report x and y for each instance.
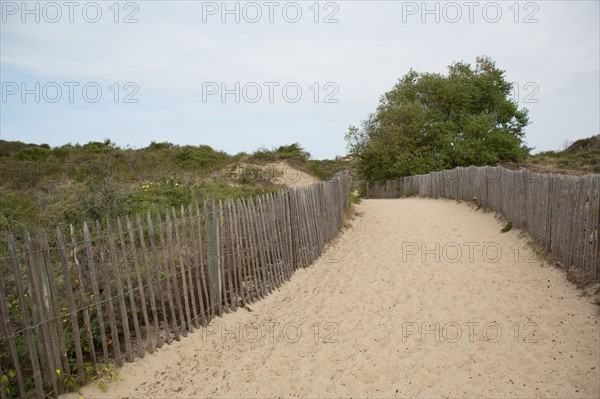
(430, 122)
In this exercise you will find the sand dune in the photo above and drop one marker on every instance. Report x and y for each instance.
(421, 298)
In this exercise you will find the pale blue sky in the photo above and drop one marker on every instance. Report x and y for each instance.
(178, 51)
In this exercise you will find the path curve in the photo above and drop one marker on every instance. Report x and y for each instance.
(361, 322)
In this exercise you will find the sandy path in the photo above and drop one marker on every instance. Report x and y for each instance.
(360, 311)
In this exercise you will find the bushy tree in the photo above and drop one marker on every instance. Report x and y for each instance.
(430, 122)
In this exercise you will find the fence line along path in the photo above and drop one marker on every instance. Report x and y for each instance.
(112, 291)
(560, 212)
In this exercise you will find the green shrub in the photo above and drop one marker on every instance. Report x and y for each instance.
(34, 153)
(154, 146)
(202, 156)
(292, 151)
(263, 154)
(98, 147)
(16, 210)
(288, 152)
(507, 227)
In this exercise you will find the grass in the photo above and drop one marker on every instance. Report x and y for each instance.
(507, 227)
(580, 157)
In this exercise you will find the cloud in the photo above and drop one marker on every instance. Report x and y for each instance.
(171, 54)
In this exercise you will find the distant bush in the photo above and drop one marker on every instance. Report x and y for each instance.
(263, 154)
(294, 151)
(98, 147)
(154, 146)
(34, 153)
(202, 156)
(9, 148)
(285, 152)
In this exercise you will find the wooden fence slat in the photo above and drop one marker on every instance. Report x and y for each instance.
(71, 304)
(258, 255)
(195, 237)
(250, 250)
(204, 299)
(173, 274)
(261, 249)
(96, 290)
(319, 241)
(237, 254)
(232, 254)
(213, 260)
(108, 299)
(276, 240)
(291, 231)
(49, 363)
(229, 285)
(254, 275)
(55, 315)
(587, 227)
(297, 229)
(216, 262)
(133, 253)
(221, 252)
(595, 210)
(184, 286)
(188, 248)
(10, 339)
(293, 234)
(127, 269)
(266, 242)
(83, 297)
(169, 277)
(309, 236)
(160, 286)
(24, 307)
(155, 328)
(269, 239)
(183, 245)
(245, 257)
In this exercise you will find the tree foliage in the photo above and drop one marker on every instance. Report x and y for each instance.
(430, 122)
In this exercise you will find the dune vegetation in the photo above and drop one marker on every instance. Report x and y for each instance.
(43, 186)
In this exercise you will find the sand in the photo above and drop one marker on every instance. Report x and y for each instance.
(385, 314)
(290, 176)
(280, 172)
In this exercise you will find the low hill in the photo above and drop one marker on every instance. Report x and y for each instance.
(579, 158)
(42, 186)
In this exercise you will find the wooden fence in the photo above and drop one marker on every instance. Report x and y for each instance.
(109, 292)
(560, 212)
